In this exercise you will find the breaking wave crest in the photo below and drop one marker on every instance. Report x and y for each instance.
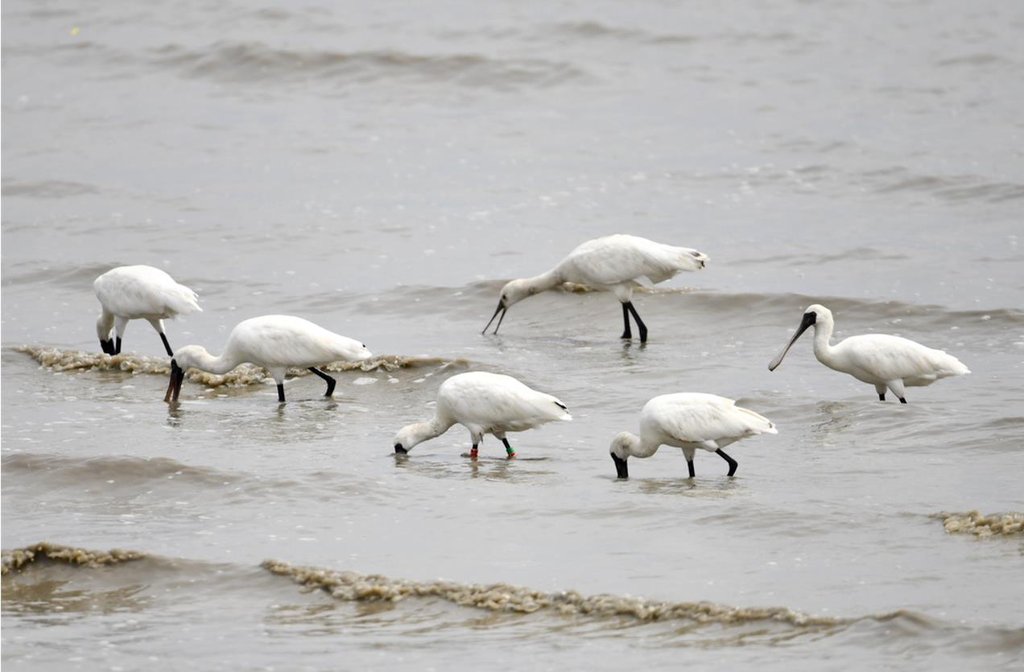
(500, 597)
(56, 359)
(974, 522)
(18, 559)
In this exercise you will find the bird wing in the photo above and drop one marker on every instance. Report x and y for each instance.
(499, 402)
(699, 418)
(893, 357)
(144, 291)
(613, 260)
(284, 340)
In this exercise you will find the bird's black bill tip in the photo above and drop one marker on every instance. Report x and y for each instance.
(399, 450)
(621, 470)
(500, 309)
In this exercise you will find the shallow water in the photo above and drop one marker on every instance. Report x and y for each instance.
(383, 173)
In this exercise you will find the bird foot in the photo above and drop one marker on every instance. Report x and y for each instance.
(512, 455)
(474, 454)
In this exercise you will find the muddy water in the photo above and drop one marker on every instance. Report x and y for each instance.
(383, 173)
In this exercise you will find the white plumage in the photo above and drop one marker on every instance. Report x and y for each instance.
(484, 403)
(615, 263)
(688, 420)
(275, 342)
(879, 359)
(139, 292)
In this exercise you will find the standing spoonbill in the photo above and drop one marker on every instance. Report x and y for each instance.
(688, 420)
(880, 359)
(613, 262)
(274, 342)
(484, 403)
(139, 292)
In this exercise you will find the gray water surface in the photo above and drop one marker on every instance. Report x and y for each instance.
(382, 170)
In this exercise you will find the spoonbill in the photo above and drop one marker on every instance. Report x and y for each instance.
(688, 420)
(880, 359)
(139, 292)
(615, 262)
(484, 403)
(274, 342)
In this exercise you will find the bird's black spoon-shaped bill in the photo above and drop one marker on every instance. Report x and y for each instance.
(500, 309)
(174, 386)
(807, 321)
(621, 470)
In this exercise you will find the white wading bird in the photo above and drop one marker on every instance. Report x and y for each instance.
(274, 342)
(484, 403)
(612, 262)
(139, 292)
(882, 360)
(688, 420)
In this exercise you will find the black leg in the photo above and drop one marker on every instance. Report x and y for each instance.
(509, 449)
(902, 400)
(167, 346)
(280, 392)
(732, 463)
(881, 397)
(626, 331)
(639, 323)
(474, 451)
(330, 381)
(117, 346)
(689, 464)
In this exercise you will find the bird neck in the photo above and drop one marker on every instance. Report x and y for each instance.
(823, 349)
(104, 323)
(424, 431)
(204, 361)
(543, 282)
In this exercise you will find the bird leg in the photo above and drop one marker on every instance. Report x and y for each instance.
(474, 452)
(330, 381)
(880, 389)
(639, 323)
(689, 465)
(117, 346)
(896, 386)
(626, 332)
(280, 392)
(732, 463)
(167, 346)
(508, 448)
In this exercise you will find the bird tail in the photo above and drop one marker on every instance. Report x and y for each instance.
(184, 300)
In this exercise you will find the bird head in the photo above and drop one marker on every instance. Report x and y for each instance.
(620, 450)
(185, 358)
(408, 436)
(812, 316)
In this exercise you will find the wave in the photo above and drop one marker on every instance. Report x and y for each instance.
(56, 359)
(46, 188)
(973, 522)
(258, 62)
(18, 559)
(77, 471)
(478, 298)
(965, 187)
(499, 597)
